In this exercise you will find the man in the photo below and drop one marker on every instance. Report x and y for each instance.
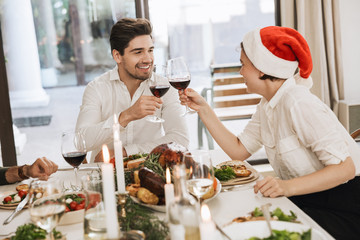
(124, 91)
(42, 168)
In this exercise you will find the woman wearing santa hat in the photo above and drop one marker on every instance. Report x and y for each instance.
(316, 160)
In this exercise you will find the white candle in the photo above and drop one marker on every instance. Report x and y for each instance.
(119, 162)
(207, 226)
(169, 192)
(107, 170)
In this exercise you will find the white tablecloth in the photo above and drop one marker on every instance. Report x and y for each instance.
(225, 207)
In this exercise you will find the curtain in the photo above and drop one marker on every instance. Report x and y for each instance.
(318, 21)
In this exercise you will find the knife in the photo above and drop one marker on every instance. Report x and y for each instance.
(18, 209)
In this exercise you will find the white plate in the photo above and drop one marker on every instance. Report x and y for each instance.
(246, 230)
(161, 208)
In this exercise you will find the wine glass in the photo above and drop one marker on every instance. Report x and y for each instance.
(73, 149)
(179, 77)
(200, 172)
(47, 204)
(158, 87)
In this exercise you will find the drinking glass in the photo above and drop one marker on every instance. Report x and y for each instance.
(200, 172)
(47, 205)
(179, 76)
(95, 218)
(158, 87)
(73, 149)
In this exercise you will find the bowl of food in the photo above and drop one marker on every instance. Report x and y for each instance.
(75, 208)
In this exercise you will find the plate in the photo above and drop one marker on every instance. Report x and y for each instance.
(11, 205)
(246, 230)
(162, 208)
(239, 180)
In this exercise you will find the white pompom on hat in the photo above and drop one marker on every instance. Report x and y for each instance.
(278, 52)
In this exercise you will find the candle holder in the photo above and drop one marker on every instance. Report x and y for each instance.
(121, 202)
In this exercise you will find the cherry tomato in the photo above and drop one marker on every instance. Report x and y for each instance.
(81, 195)
(79, 207)
(22, 193)
(8, 199)
(73, 205)
(67, 209)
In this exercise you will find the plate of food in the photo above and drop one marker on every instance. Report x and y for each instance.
(256, 230)
(235, 172)
(75, 208)
(145, 183)
(145, 198)
(10, 200)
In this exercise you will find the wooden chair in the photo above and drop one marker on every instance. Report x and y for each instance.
(228, 96)
(355, 134)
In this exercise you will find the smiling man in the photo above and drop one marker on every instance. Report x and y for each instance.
(125, 91)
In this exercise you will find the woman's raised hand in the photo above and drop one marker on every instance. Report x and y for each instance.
(192, 99)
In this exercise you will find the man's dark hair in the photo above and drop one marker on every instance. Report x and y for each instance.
(127, 29)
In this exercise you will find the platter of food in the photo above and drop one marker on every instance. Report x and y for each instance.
(161, 208)
(235, 172)
(145, 182)
(10, 200)
(259, 230)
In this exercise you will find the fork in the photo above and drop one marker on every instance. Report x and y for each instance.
(266, 212)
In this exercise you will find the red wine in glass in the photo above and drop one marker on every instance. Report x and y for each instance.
(74, 158)
(159, 90)
(73, 149)
(180, 84)
(179, 76)
(159, 85)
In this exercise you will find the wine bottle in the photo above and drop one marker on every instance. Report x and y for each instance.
(184, 212)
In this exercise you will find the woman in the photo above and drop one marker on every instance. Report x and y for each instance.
(314, 157)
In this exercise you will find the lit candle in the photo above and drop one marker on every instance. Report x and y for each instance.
(169, 192)
(207, 226)
(120, 179)
(107, 170)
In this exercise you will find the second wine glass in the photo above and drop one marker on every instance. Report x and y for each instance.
(179, 76)
(47, 205)
(200, 172)
(159, 86)
(73, 149)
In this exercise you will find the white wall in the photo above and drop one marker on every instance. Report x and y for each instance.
(350, 37)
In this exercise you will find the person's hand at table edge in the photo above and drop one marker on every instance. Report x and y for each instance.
(42, 168)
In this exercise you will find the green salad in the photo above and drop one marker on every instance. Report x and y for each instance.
(286, 235)
(33, 232)
(278, 214)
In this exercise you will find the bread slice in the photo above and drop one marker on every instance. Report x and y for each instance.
(135, 163)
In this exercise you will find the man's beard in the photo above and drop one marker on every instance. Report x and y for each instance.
(142, 78)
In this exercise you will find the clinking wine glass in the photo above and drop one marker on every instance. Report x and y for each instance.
(200, 172)
(158, 87)
(179, 76)
(73, 149)
(47, 204)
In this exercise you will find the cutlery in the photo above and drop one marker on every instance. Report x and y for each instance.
(20, 206)
(18, 209)
(266, 212)
(221, 231)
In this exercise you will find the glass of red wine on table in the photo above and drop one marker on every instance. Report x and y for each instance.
(158, 87)
(73, 149)
(179, 76)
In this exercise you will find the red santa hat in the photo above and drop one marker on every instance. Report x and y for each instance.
(278, 52)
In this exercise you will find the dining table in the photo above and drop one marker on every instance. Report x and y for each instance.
(226, 206)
